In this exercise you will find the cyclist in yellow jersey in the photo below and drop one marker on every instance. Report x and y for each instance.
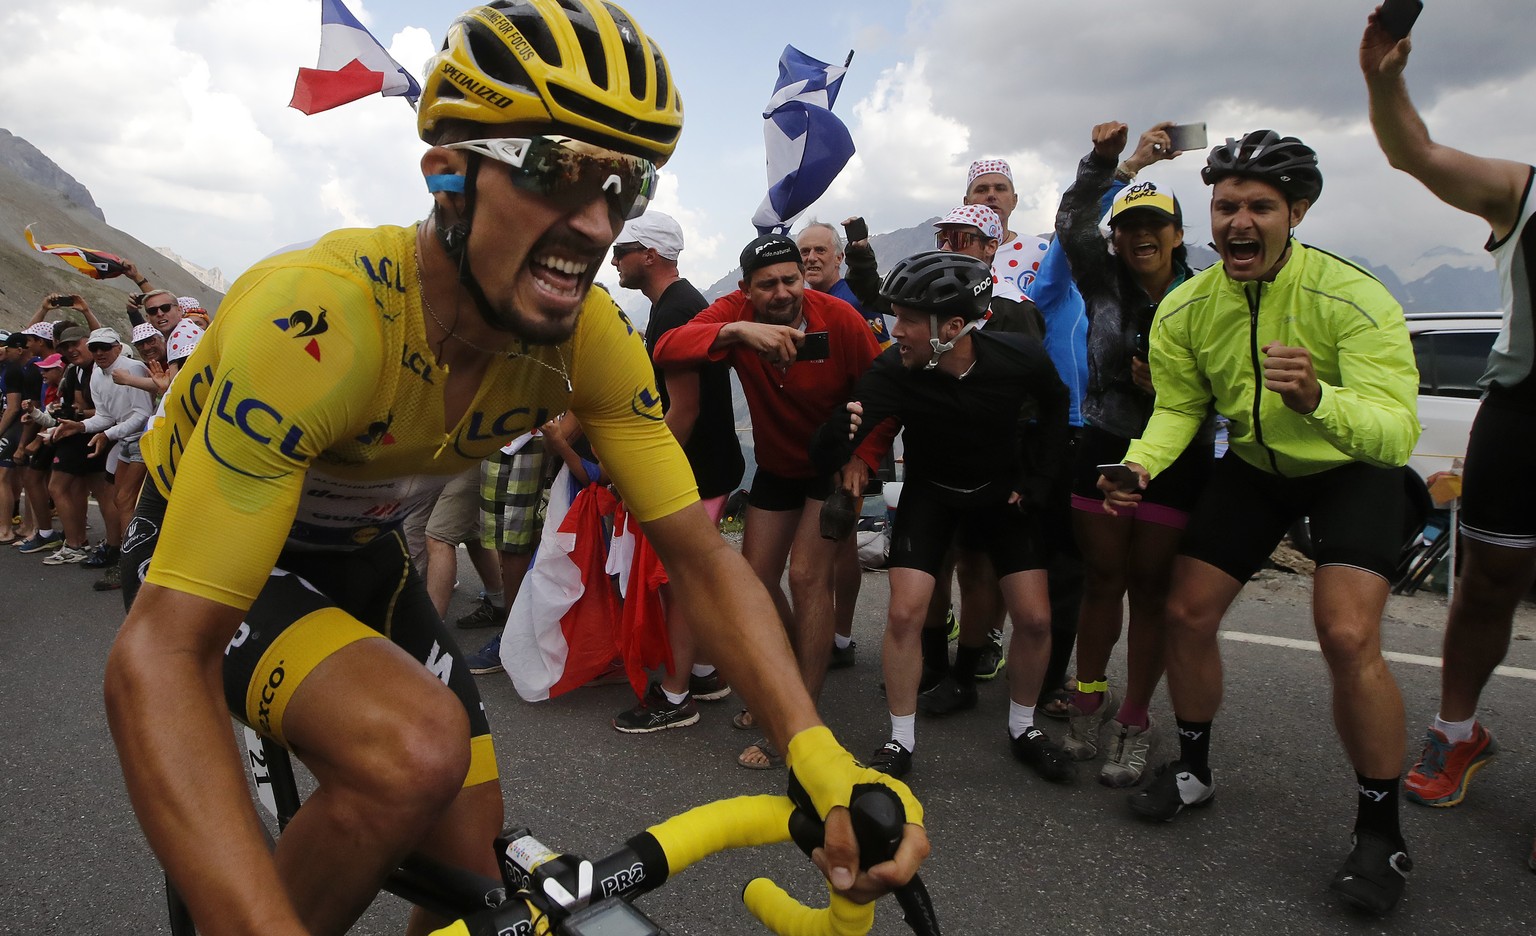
(340, 386)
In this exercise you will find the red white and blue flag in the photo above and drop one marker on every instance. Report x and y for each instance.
(807, 144)
(352, 66)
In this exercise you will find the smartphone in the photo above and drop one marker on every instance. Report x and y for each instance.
(1397, 16)
(817, 346)
(1190, 136)
(61, 301)
(1123, 477)
(856, 230)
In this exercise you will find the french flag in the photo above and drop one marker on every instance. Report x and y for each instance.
(352, 65)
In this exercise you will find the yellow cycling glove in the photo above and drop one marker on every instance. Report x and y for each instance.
(828, 773)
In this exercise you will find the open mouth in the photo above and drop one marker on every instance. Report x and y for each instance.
(1144, 251)
(560, 276)
(1243, 250)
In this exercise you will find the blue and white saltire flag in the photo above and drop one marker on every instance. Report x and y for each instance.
(807, 145)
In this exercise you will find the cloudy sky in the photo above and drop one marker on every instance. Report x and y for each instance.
(173, 112)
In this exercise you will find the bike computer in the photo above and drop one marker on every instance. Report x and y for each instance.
(611, 917)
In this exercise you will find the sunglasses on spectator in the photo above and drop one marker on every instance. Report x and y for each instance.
(624, 250)
(159, 309)
(569, 170)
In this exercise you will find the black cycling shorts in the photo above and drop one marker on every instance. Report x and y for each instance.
(776, 493)
(1359, 516)
(10, 442)
(929, 518)
(315, 603)
(1168, 500)
(1498, 501)
(72, 455)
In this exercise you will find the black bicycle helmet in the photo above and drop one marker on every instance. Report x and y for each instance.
(1284, 162)
(941, 281)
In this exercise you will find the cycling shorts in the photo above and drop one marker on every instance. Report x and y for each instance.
(9, 443)
(72, 455)
(1167, 501)
(929, 518)
(776, 493)
(1359, 516)
(313, 604)
(511, 490)
(1498, 502)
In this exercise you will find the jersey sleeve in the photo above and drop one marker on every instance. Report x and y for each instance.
(689, 345)
(614, 395)
(1183, 396)
(1372, 415)
(254, 406)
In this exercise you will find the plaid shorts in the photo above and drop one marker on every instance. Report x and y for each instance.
(511, 488)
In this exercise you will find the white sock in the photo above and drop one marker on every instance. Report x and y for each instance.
(676, 698)
(904, 730)
(841, 642)
(1021, 718)
(702, 669)
(1455, 731)
(497, 598)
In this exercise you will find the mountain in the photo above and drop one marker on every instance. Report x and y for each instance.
(212, 278)
(34, 190)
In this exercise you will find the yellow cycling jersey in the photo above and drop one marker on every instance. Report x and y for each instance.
(311, 415)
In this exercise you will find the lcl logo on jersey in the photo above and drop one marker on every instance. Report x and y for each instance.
(646, 404)
(305, 324)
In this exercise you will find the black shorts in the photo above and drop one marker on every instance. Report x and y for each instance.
(772, 492)
(72, 456)
(10, 441)
(929, 518)
(1360, 516)
(315, 603)
(1498, 501)
(1168, 500)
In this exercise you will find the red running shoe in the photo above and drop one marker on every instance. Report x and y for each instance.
(1445, 768)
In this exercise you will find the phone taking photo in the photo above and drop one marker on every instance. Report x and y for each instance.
(1121, 476)
(855, 230)
(1398, 16)
(1190, 136)
(817, 346)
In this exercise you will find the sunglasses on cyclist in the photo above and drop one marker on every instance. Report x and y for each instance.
(159, 309)
(957, 239)
(569, 170)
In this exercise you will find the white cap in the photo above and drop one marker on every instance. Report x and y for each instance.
(978, 216)
(143, 331)
(103, 336)
(654, 230)
(43, 330)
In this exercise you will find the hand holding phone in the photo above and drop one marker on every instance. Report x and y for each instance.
(855, 230)
(59, 302)
(1398, 16)
(1121, 476)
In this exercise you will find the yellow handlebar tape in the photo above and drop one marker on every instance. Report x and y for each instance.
(788, 917)
(740, 822)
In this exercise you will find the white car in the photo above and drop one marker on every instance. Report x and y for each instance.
(1451, 350)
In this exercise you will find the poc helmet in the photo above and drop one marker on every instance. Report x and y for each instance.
(582, 64)
(941, 282)
(1284, 162)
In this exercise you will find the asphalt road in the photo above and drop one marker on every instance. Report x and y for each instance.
(1011, 853)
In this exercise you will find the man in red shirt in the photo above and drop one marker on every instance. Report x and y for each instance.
(797, 353)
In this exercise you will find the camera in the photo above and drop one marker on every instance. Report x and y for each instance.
(61, 301)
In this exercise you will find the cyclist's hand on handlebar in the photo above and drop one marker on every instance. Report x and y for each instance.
(828, 774)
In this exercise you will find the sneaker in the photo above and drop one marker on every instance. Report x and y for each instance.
(711, 688)
(949, 696)
(102, 557)
(41, 541)
(1035, 749)
(992, 659)
(1128, 752)
(487, 659)
(655, 713)
(1445, 768)
(1373, 875)
(1082, 742)
(486, 615)
(842, 657)
(954, 624)
(893, 759)
(66, 555)
(111, 579)
(1173, 788)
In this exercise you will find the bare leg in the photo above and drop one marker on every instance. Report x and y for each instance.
(811, 571)
(1029, 605)
(69, 497)
(1153, 550)
(849, 578)
(1197, 599)
(1367, 709)
(106, 501)
(1105, 544)
(126, 485)
(442, 572)
(981, 601)
(1493, 581)
(901, 654)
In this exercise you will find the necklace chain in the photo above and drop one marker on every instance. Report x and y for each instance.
(509, 355)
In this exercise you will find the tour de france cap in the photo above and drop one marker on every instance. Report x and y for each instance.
(1146, 196)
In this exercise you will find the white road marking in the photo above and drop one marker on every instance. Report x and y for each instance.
(1414, 658)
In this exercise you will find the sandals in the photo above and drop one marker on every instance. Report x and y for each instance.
(772, 759)
(743, 721)
(1054, 704)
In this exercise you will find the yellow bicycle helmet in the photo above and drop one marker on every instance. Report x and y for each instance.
(583, 64)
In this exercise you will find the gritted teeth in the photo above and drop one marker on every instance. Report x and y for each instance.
(561, 265)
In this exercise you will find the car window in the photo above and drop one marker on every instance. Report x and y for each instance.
(1450, 362)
